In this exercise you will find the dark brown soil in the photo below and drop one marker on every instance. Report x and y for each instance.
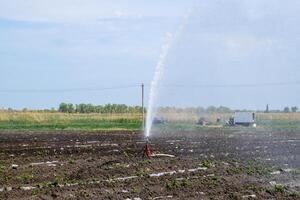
(208, 164)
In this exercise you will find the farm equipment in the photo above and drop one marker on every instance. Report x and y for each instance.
(243, 119)
(159, 120)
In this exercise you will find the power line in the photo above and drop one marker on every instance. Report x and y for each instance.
(67, 90)
(98, 89)
(230, 85)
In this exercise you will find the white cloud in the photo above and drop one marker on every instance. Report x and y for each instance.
(74, 11)
(241, 46)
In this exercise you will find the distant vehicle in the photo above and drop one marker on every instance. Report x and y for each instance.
(158, 120)
(242, 118)
(202, 121)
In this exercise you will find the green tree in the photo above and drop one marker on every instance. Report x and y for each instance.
(70, 108)
(63, 107)
(211, 109)
(286, 110)
(294, 109)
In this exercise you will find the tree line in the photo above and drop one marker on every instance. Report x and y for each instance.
(90, 108)
(292, 109)
(196, 110)
(122, 108)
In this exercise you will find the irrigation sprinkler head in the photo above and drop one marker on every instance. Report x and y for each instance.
(147, 150)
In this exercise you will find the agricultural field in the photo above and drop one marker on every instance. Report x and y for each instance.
(188, 161)
(44, 121)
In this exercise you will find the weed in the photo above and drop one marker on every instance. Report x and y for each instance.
(140, 173)
(83, 194)
(233, 196)
(35, 192)
(185, 183)
(206, 163)
(26, 178)
(234, 170)
(296, 171)
(172, 184)
(2, 168)
(276, 189)
(295, 194)
(71, 162)
(54, 183)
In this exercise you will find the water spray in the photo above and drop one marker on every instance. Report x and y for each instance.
(170, 39)
(158, 76)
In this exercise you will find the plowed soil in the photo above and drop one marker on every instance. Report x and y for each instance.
(214, 163)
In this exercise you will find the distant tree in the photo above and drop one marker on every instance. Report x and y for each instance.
(63, 107)
(211, 109)
(223, 109)
(70, 108)
(286, 110)
(200, 110)
(294, 109)
(90, 108)
(267, 108)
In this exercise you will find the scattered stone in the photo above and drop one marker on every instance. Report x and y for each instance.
(252, 196)
(273, 183)
(14, 166)
(26, 188)
(163, 197)
(162, 155)
(162, 174)
(275, 173)
(288, 170)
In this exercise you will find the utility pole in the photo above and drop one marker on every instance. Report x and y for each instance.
(143, 109)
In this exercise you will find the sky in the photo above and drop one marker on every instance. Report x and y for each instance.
(69, 44)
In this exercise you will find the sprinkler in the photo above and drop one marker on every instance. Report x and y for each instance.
(147, 150)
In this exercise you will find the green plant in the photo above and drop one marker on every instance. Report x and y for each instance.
(233, 196)
(206, 163)
(2, 168)
(35, 192)
(55, 182)
(276, 189)
(84, 194)
(172, 184)
(185, 183)
(25, 178)
(294, 194)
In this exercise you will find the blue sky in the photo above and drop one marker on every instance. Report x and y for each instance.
(61, 44)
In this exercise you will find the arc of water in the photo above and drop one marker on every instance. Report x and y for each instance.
(159, 73)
